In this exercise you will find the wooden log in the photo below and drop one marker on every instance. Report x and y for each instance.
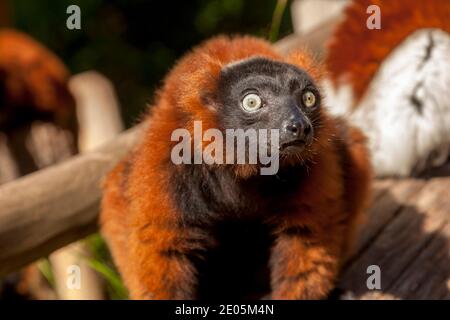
(385, 207)
(308, 14)
(8, 168)
(315, 41)
(98, 109)
(428, 276)
(414, 237)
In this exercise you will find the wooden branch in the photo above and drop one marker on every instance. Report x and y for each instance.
(98, 109)
(9, 170)
(55, 206)
(409, 230)
(315, 41)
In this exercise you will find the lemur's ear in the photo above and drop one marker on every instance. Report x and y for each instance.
(209, 100)
(305, 60)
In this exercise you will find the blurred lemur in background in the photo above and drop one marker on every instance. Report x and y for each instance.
(38, 127)
(34, 90)
(394, 83)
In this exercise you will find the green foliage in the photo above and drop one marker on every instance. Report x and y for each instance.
(45, 268)
(276, 20)
(101, 262)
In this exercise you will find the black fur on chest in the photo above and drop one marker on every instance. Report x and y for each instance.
(205, 194)
(237, 266)
(236, 215)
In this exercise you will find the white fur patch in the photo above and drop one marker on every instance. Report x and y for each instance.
(238, 62)
(339, 100)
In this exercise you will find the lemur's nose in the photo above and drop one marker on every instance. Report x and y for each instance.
(297, 128)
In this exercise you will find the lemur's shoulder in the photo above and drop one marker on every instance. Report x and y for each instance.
(114, 216)
(355, 162)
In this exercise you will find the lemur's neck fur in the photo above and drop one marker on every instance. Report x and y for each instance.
(205, 194)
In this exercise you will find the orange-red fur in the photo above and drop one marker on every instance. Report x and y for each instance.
(140, 220)
(32, 80)
(355, 52)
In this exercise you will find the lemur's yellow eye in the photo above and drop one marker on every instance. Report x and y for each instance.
(251, 102)
(309, 99)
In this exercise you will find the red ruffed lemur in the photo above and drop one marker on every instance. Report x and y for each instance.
(33, 84)
(33, 88)
(206, 231)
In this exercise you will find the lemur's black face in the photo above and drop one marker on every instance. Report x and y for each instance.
(260, 93)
